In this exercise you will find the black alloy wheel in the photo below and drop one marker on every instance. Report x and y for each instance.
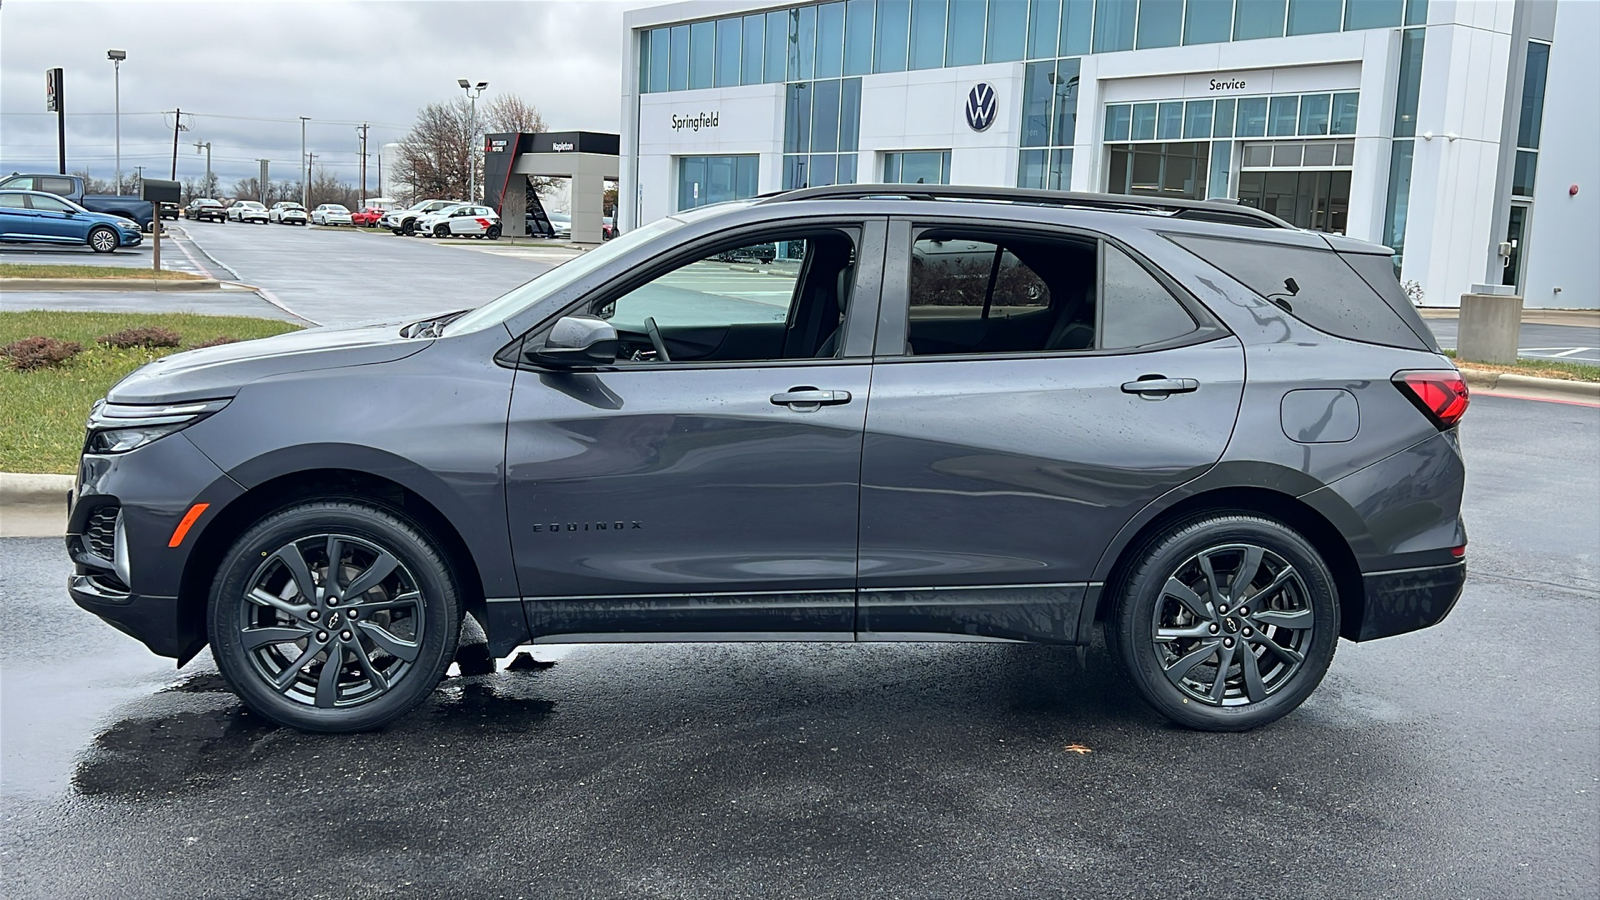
(103, 239)
(493, 232)
(440, 230)
(409, 226)
(334, 616)
(1228, 623)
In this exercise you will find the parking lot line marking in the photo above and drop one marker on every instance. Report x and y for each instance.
(1571, 352)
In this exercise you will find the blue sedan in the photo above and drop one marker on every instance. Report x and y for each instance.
(37, 217)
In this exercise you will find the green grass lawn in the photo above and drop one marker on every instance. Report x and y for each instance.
(42, 412)
(1540, 368)
(20, 270)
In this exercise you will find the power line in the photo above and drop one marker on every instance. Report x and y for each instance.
(222, 116)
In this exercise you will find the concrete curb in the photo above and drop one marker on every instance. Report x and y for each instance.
(33, 505)
(108, 284)
(1528, 386)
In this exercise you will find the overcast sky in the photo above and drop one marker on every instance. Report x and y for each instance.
(247, 69)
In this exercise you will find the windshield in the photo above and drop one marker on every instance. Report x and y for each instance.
(518, 299)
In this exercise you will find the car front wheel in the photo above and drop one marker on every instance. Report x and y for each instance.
(334, 616)
(441, 231)
(103, 240)
(1226, 622)
(493, 233)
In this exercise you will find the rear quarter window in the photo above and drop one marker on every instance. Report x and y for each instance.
(1331, 298)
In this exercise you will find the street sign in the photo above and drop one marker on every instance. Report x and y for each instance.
(52, 90)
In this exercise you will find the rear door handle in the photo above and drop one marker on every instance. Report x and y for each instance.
(1156, 384)
(810, 396)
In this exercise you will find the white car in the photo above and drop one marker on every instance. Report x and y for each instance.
(404, 221)
(330, 214)
(462, 220)
(247, 211)
(287, 212)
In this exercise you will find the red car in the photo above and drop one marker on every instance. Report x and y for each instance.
(367, 218)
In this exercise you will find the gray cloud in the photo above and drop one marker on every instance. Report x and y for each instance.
(237, 62)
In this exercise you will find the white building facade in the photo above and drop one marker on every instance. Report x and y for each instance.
(1419, 124)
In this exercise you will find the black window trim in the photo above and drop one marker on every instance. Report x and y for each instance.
(868, 231)
(894, 309)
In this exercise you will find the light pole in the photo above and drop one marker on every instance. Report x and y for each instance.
(116, 57)
(205, 145)
(305, 168)
(473, 91)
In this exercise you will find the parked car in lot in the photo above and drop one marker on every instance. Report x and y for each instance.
(38, 217)
(287, 212)
(404, 221)
(367, 217)
(608, 228)
(205, 208)
(330, 214)
(170, 211)
(1228, 441)
(247, 211)
(71, 188)
(464, 220)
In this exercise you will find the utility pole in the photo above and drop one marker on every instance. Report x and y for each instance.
(264, 181)
(363, 130)
(310, 158)
(206, 185)
(305, 171)
(177, 125)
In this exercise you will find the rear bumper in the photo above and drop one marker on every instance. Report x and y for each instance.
(1407, 600)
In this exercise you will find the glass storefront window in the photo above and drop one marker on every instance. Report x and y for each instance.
(1031, 168)
(1416, 12)
(797, 118)
(1314, 114)
(1360, 14)
(1208, 21)
(964, 33)
(1064, 126)
(927, 34)
(1160, 23)
(1343, 119)
(1217, 181)
(1060, 175)
(1037, 89)
(1532, 115)
(1251, 120)
(702, 54)
(917, 167)
(1405, 107)
(755, 37)
(775, 63)
(1007, 31)
(1118, 119)
(1169, 121)
(1223, 122)
(704, 180)
(825, 116)
(1313, 16)
(858, 37)
(1077, 17)
(807, 38)
(1319, 154)
(1197, 119)
(660, 53)
(1114, 23)
(1144, 121)
(727, 73)
(890, 34)
(678, 71)
(1283, 115)
(1044, 28)
(830, 40)
(1258, 19)
(849, 115)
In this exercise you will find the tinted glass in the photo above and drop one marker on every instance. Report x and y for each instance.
(50, 204)
(1523, 173)
(1372, 13)
(1118, 122)
(62, 186)
(858, 37)
(849, 115)
(1416, 12)
(964, 46)
(1343, 119)
(1258, 19)
(1144, 121)
(1222, 122)
(1036, 93)
(1169, 121)
(1405, 106)
(660, 40)
(1044, 27)
(1031, 168)
(1251, 120)
(825, 116)
(1077, 18)
(1064, 125)
(890, 35)
(702, 54)
(678, 74)
(830, 40)
(1313, 16)
(13, 201)
(1377, 270)
(1208, 21)
(1532, 115)
(808, 41)
(1160, 23)
(1114, 23)
(1135, 309)
(927, 34)
(1314, 114)
(1008, 31)
(1197, 119)
(1282, 116)
(777, 46)
(755, 35)
(721, 290)
(1217, 181)
(727, 73)
(1332, 298)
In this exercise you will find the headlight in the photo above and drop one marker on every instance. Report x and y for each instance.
(118, 428)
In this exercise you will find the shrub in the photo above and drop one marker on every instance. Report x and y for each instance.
(38, 352)
(149, 338)
(217, 341)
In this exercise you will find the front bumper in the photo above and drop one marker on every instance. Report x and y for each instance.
(1407, 600)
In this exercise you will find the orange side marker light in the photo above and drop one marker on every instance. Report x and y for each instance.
(182, 531)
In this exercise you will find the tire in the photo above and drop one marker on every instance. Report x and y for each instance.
(493, 233)
(440, 231)
(103, 239)
(409, 226)
(413, 609)
(1173, 639)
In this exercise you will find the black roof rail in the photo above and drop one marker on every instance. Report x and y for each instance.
(1225, 212)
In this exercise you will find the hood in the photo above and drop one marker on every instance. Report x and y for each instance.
(216, 372)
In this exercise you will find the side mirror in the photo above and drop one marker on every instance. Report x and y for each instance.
(577, 341)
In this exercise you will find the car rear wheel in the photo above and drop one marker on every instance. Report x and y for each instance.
(103, 239)
(1226, 622)
(493, 233)
(334, 616)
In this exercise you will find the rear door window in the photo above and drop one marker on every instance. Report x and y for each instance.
(1136, 309)
(1315, 286)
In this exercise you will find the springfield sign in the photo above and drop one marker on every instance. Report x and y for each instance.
(697, 121)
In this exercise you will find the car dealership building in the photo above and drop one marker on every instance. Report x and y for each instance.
(1420, 124)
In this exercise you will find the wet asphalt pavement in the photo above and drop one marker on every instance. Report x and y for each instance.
(1459, 762)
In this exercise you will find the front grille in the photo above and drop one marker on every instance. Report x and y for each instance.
(100, 535)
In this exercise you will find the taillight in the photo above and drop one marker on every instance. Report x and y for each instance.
(1442, 395)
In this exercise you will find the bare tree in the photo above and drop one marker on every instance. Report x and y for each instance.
(510, 113)
(433, 157)
(327, 188)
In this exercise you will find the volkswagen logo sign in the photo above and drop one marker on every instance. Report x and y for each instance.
(981, 106)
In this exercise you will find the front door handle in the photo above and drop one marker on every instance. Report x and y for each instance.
(810, 397)
(1159, 385)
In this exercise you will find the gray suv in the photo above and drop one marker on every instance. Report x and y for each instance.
(939, 413)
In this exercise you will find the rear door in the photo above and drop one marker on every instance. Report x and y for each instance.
(1032, 392)
(16, 217)
(54, 219)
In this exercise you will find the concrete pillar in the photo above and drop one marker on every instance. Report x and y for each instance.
(588, 198)
(1489, 328)
(514, 207)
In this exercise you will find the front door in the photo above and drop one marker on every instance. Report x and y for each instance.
(1045, 388)
(706, 485)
